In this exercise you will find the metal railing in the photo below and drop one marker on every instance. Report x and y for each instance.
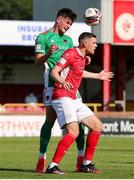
(98, 106)
(35, 106)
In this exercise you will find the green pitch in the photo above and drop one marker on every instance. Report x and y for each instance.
(114, 155)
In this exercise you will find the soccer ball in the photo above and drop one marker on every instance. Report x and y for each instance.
(92, 16)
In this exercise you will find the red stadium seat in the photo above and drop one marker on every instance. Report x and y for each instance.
(10, 109)
(20, 109)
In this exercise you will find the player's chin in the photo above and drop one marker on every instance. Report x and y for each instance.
(93, 52)
(64, 30)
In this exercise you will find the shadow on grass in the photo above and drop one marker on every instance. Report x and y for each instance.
(123, 150)
(32, 171)
(120, 162)
(17, 170)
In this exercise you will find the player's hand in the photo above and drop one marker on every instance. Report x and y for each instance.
(53, 48)
(67, 85)
(105, 75)
(88, 60)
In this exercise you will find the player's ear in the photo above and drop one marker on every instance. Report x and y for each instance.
(85, 43)
(58, 19)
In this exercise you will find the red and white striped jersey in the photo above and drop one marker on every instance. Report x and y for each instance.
(72, 64)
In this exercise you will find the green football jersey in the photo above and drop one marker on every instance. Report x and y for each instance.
(45, 40)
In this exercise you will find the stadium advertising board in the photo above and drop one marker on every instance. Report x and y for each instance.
(123, 18)
(24, 126)
(30, 125)
(113, 126)
(24, 33)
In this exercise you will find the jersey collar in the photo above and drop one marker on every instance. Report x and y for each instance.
(79, 52)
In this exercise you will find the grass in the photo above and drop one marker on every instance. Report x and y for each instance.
(114, 155)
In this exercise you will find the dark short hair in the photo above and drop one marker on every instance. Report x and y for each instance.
(66, 12)
(85, 35)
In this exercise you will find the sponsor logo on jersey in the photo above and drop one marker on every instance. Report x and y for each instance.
(52, 41)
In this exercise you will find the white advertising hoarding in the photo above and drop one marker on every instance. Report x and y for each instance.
(24, 33)
(24, 126)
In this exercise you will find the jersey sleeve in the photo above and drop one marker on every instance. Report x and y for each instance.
(65, 60)
(40, 44)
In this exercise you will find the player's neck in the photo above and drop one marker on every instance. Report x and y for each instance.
(82, 51)
(55, 29)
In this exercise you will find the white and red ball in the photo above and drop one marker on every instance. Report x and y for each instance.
(92, 16)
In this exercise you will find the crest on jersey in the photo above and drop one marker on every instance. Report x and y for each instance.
(65, 41)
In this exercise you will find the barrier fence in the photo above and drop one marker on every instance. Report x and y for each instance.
(20, 119)
(39, 107)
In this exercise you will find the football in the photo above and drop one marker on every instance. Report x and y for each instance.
(92, 16)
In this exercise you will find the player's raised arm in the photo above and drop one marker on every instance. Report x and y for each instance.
(41, 58)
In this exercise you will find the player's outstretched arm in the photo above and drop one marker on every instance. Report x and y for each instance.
(106, 75)
(103, 75)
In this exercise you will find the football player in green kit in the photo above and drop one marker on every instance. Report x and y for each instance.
(49, 47)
